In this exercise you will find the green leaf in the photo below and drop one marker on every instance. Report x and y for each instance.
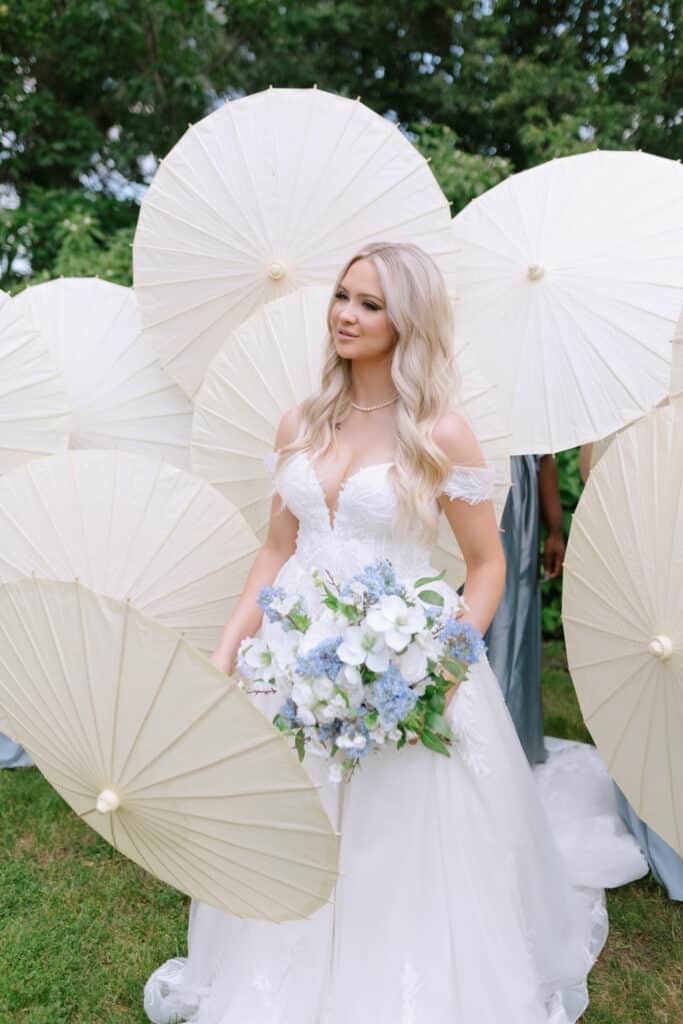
(437, 723)
(301, 622)
(430, 579)
(432, 741)
(372, 719)
(431, 597)
(457, 668)
(343, 695)
(300, 744)
(437, 702)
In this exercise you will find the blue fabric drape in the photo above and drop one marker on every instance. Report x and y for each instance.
(514, 636)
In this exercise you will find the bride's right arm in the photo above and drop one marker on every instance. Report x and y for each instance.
(277, 548)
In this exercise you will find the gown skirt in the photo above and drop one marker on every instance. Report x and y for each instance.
(470, 891)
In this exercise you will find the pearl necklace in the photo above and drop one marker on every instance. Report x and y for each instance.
(371, 408)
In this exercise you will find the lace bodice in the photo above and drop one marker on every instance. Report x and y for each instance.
(363, 526)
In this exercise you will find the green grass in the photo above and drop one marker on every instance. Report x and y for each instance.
(81, 928)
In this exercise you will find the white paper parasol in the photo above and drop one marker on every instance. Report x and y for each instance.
(34, 413)
(129, 527)
(623, 614)
(266, 194)
(271, 363)
(120, 395)
(571, 282)
(161, 754)
(676, 384)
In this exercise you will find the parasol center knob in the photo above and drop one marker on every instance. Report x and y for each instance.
(535, 272)
(661, 647)
(277, 270)
(108, 801)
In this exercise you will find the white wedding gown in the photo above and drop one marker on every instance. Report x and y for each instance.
(470, 891)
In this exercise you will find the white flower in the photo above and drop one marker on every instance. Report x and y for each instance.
(255, 660)
(335, 709)
(394, 735)
(323, 628)
(397, 620)
(378, 735)
(363, 645)
(413, 661)
(302, 695)
(305, 715)
(323, 687)
(285, 604)
(335, 773)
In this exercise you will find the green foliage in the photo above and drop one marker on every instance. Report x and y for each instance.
(92, 92)
(462, 176)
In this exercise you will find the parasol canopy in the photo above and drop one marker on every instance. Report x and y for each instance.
(676, 385)
(161, 754)
(120, 396)
(266, 194)
(132, 528)
(623, 614)
(34, 413)
(571, 281)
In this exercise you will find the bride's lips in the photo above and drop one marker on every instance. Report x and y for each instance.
(345, 334)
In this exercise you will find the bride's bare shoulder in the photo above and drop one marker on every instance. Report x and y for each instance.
(454, 436)
(289, 427)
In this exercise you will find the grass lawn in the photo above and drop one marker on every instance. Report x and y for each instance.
(81, 928)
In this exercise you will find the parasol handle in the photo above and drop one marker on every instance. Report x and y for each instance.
(661, 647)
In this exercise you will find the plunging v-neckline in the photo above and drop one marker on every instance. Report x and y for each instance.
(332, 514)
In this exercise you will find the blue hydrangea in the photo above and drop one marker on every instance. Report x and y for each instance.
(265, 598)
(288, 712)
(352, 730)
(322, 660)
(394, 698)
(378, 578)
(463, 641)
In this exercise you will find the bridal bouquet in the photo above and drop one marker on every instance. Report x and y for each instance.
(366, 671)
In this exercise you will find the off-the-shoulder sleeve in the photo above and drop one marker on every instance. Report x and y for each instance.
(472, 484)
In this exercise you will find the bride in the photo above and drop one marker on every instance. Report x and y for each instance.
(455, 902)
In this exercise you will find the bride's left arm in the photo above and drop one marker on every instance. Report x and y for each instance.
(474, 526)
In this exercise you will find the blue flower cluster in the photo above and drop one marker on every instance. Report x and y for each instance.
(266, 597)
(463, 641)
(265, 600)
(288, 712)
(353, 730)
(394, 698)
(378, 578)
(322, 660)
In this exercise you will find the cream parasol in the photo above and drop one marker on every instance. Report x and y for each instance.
(271, 363)
(623, 614)
(120, 396)
(571, 280)
(266, 194)
(161, 754)
(129, 527)
(676, 384)
(34, 413)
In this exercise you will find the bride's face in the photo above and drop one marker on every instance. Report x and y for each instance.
(359, 321)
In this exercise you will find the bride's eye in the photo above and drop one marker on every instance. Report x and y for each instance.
(341, 295)
(371, 305)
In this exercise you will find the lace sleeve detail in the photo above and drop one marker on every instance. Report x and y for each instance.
(472, 484)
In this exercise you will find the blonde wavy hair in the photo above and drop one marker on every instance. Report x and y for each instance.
(423, 371)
